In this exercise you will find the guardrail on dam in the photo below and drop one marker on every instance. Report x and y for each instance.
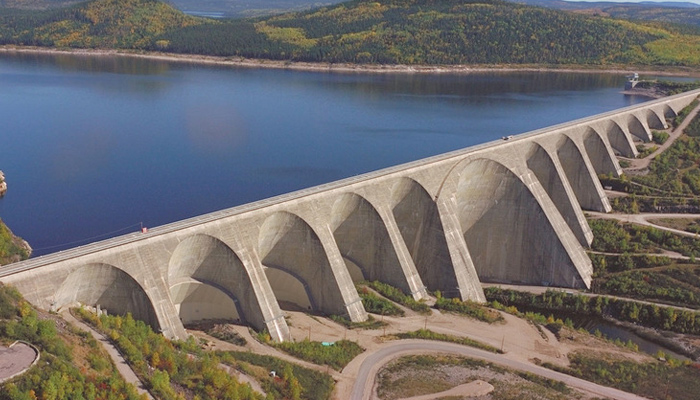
(505, 211)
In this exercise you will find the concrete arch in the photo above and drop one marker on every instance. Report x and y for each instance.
(290, 289)
(288, 243)
(620, 142)
(204, 264)
(419, 223)
(601, 155)
(542, 165)
(638, 129)
(363, 240)
(109, 287)
(654, 120)
(508, 232)
(680, 101)
(669, 112)
(581, 176)
(197, 301)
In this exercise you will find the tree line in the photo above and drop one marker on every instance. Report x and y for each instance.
(649, 315)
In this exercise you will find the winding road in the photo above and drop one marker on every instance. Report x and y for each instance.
(643, 219)
(363, 389)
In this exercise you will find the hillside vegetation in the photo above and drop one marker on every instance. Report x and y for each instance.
(685, 13)
(73, 365)
(12, 248)
(360, 31)
(123, 24)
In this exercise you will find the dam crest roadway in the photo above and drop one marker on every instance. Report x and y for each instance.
(507, 211)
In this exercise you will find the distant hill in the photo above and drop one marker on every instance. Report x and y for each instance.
(672, 12)
(251, 8)
(36, 4)
(441, 32)
(362, 31)
(584, 5)
(124, 24)
(216, 8)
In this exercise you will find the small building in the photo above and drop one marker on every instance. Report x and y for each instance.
(632, 81)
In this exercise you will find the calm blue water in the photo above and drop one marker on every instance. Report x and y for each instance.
(93, 146)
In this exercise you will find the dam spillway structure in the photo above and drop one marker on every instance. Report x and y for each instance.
(508, 211)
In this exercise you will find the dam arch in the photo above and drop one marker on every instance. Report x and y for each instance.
(620, 142)
(197, 301)
(364, 242)
(637, 129)
(541, 163)
(498, 215)
(111, 288)
(655, 121)
(600, 154)
(287, 243)
(419, 224)
(203, 267)
(582, 179)
(669, 112)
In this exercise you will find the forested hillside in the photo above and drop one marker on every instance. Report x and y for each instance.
(649, 13)
(36, 4)
(673, 12)
(125, 24)
(361, 31)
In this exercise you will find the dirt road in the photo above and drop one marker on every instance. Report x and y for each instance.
(364, 389)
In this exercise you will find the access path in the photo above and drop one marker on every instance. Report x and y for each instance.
(122, 367)
(364, 388)
(643, 219)
(641, 164)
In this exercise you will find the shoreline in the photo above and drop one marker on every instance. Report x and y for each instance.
(15, 240)
(242, 62)
(3, 184)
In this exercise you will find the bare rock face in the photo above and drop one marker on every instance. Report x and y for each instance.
(3, 184)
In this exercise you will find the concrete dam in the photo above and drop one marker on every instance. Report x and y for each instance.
(506, 211)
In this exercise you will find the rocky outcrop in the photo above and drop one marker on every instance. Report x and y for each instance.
(3, 184)
(12, 248)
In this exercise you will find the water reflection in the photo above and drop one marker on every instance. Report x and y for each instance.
(613, 332)
(77, 62)
(215, 128)
(83, 154)
(462, 87)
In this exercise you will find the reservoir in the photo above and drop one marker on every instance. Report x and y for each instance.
(93, 146)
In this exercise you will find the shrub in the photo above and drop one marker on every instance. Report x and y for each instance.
(430, 335)
(468, 308)
(377, 305)
(398, 296)
(659, 137)
(336, 355)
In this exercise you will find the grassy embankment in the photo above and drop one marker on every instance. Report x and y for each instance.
(72, 364)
